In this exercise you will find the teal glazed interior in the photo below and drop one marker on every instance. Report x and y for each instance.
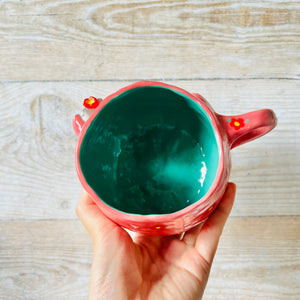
(150, 150)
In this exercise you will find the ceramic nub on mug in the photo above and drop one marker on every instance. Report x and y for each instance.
(156, 159)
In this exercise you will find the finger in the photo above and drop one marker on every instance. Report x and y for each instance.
(190, 236)
(208, 238)
(95, 222)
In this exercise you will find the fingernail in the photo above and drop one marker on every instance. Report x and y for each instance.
(232, 187)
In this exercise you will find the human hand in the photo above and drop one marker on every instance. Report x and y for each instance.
(151, 267)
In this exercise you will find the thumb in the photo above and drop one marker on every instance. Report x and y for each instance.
(95, 222)
(208, 238)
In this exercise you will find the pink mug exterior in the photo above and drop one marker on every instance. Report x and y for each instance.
(231, 131)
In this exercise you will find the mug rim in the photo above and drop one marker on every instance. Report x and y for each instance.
(150, 218)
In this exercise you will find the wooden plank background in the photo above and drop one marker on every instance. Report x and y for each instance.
(240, 55)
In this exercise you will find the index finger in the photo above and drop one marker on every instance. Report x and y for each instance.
(95, 222)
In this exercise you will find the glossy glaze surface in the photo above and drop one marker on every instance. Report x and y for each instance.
(150, 150)
(129, 119)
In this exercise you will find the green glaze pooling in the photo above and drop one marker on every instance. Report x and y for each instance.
(150, 150)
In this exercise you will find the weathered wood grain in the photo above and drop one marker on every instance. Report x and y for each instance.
(72, 40)
(258, 258)
(37, 174)
(44, 260)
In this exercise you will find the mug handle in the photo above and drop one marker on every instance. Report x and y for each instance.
(77, 123)
(244, 128)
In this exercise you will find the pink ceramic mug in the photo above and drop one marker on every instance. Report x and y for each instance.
(156, 159)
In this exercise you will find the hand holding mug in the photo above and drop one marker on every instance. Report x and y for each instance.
(151, 267)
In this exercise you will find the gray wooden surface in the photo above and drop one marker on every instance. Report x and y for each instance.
(240, 55)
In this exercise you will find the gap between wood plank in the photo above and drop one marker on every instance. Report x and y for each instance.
(154, 79)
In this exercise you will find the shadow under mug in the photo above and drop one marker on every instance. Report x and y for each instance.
(156, 159)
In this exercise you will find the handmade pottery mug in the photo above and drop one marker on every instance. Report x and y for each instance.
(156, 159)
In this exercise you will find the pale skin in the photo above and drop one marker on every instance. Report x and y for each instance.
(151, 267)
